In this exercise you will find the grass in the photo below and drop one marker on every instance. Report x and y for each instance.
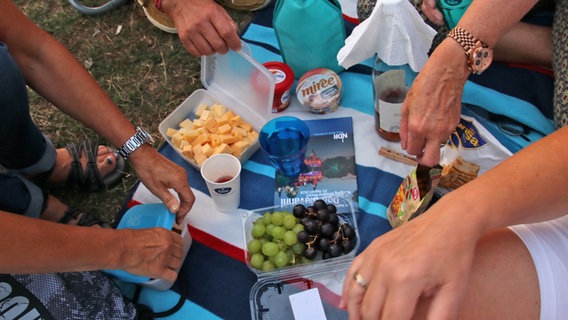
(146, 71)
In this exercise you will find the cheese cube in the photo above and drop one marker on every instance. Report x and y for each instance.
(170, 132)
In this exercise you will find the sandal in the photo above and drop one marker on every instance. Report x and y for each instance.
(90, 179)
(86, 219)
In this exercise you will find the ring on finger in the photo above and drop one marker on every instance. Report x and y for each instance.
(359, 280)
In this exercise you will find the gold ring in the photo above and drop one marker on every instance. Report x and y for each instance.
(359, 280)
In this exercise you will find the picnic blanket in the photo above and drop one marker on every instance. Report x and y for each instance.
(214, 274)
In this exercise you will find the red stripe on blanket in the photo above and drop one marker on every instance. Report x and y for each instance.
(216, 244)
(350, 19)
(543, 70)
(209, 240)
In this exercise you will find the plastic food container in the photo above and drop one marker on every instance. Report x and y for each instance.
(319, 90)
(270, 296)
(284, 78)
(149, 216)
(235, 80)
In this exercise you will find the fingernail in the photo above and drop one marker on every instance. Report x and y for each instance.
(174, 208)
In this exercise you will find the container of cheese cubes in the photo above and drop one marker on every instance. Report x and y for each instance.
(227, 114)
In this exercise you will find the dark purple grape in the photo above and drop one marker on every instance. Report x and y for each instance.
(348, 231)
(323, 244)
(331, 208)
(303, 236)
(323, 215)
(311, 227)
(347, 245)
(304, 220)
(310, 253)
(333, 219)
(310, 209)
(320, 204)
(334, 250)
(327, 230)
(299, 211)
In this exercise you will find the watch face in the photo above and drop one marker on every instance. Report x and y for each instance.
(481, 59)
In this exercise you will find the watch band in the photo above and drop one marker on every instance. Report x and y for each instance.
(478, 54)
(136, 141)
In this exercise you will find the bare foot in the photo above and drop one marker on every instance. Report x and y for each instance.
(55, 210)
(106, 163)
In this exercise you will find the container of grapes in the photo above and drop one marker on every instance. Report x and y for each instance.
(300, 250)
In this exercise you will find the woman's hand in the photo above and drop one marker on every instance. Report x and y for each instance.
(432, 12)
(423, 258)
(204, 27)
(432, 108)
(159, 174)
(155, 252)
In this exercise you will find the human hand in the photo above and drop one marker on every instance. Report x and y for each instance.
(204, 27)
(422, 259)
(431, 11)
(155, 253)
(159, 174)
(432, 108)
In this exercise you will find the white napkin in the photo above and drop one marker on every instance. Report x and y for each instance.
(395, 31)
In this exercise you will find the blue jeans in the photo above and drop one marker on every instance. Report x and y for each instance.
(24, 150)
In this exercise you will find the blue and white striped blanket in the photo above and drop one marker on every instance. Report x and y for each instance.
(217, 279)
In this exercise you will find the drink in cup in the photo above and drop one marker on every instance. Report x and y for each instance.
(284, 139)
(222, 174)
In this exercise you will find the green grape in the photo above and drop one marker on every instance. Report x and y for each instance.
(268, 265)
(277, 218)
(289, 221)
(258, 230)
(290, 238)
(281, 259)
(254, 246)
(269, 249)
(267, 218)
(298, 248)
(269, 228)
(257, 260)
(298, 227)
(278, 233)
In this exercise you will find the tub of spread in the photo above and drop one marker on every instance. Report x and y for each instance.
(283, 79)
(319, 90)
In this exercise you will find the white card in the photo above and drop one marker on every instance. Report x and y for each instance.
(306, 305)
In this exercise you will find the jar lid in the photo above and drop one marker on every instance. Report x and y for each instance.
(319, 90)
(283, 75)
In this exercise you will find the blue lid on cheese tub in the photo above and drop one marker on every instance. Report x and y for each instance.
(143, 216)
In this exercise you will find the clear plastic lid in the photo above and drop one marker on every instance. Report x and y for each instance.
(237, 79)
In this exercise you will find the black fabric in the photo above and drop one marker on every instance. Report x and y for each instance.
(69, 296)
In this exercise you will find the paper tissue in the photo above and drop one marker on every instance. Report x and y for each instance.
(394, 31)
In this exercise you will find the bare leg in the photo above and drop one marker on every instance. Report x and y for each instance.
(503, 284)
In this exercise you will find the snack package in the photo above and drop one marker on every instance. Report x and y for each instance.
(471, 150)
(414, 194)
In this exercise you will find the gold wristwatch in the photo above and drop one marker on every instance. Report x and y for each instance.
(479, 55)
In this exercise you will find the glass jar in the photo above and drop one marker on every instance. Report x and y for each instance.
(390, 86)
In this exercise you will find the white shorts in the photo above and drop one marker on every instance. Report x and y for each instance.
(548, 245)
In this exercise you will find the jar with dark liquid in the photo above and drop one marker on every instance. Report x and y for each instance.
(390, 86)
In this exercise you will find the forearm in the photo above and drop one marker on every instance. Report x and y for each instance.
(37, 246)
(479, 19)
(53, 72)
(526, 188)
